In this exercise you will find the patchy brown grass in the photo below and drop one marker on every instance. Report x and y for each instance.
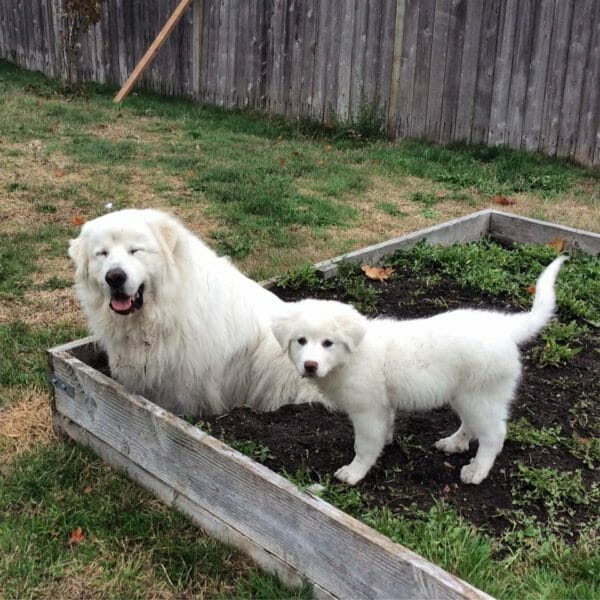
(25, 423)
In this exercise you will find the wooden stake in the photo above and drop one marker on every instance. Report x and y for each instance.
(152, 50)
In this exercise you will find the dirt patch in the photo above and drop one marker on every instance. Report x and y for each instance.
(411, 473)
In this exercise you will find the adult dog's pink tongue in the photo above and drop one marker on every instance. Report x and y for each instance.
(121, 305)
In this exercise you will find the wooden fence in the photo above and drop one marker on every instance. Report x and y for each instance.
(525, 73)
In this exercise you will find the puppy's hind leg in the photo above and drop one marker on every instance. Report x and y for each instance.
(487, 420)
(457, 442)
(371, 429)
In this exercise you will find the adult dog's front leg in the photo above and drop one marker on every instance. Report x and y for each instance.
(370, 431)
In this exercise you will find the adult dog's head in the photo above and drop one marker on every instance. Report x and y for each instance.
(319, 335)
(123, 257)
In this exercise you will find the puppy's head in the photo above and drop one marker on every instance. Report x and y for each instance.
(319, 335)
(123, 256)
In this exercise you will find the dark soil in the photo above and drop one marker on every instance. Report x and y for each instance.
(411, 473)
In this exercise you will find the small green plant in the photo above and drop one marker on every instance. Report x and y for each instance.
(525, 433)
(301, 277)
(352, 283)
(254, 450)
(556, 490)
(558, 343)
(586, 449)
(232, 244)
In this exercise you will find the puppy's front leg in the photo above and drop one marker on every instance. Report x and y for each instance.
(370, 431)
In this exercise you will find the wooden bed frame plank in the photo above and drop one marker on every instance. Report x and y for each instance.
(292, 533)
(342, 556)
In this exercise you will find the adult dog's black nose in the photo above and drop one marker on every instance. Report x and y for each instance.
(115, 278)
(311, 366)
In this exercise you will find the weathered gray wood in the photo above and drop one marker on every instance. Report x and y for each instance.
(512, 228)
(485, 71)
(520, 73)
(576, 72)
(422, 67)
(509, 12)
(516, 72)
(468, 71)
(538, 70)
(392, 121)
(461, 230)
(202, 516)
(589, 114)
(456, 36)
(339, 554)
(407, 68)
(557, 62)
(439, 53)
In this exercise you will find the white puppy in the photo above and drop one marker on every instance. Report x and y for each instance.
(180, 325)
(371, 368)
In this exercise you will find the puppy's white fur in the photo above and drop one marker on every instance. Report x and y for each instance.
(371, 368)
(201, 342)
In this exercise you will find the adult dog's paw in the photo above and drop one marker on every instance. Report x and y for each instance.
(350, 474)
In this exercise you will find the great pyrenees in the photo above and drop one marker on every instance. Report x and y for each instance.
(180, 325)
(371, 368)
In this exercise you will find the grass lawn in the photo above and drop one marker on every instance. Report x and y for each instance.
(273, 196)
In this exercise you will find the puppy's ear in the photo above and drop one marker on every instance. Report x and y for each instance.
(282, 329)
(351, 329)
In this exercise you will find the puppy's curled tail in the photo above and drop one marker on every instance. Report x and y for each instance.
(528, 325)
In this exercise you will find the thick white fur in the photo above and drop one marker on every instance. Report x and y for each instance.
(202, 341)
(371, 368)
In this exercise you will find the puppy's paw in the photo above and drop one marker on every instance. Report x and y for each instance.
(473, 473)
(350, 474)
(452, 445)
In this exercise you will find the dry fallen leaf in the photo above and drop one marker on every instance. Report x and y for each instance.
(282, 162)
(87, 489)
(328, 147)
(504, 200)
(558, 244)
(77, 537)
(78, 220)
(59, 173)
(377, 273)
(531, 289)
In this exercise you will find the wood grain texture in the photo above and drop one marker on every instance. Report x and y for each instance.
(518, 72)
(339, 554)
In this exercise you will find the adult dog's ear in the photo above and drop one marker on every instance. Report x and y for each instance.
(78, 256)
(167, 231)
(282, 329)
(351, 330)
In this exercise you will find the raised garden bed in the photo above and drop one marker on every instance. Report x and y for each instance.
(243, 503)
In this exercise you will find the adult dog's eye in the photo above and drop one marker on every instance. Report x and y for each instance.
(102, 253)
(134, 250)
(302, 341)
(327, 343)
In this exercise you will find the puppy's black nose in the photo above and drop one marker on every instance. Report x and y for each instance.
(116, 278)
(311, 366)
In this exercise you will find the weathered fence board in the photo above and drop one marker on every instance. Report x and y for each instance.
(525, 73)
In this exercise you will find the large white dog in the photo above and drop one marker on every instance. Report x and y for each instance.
(371, 368)
(180, 325)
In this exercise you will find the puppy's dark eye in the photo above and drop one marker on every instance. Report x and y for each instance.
(102, 253)
(301, 341)
(327, 344)
(134, 250)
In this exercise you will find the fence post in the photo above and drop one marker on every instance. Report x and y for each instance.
(197, 24)
(392, 117)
